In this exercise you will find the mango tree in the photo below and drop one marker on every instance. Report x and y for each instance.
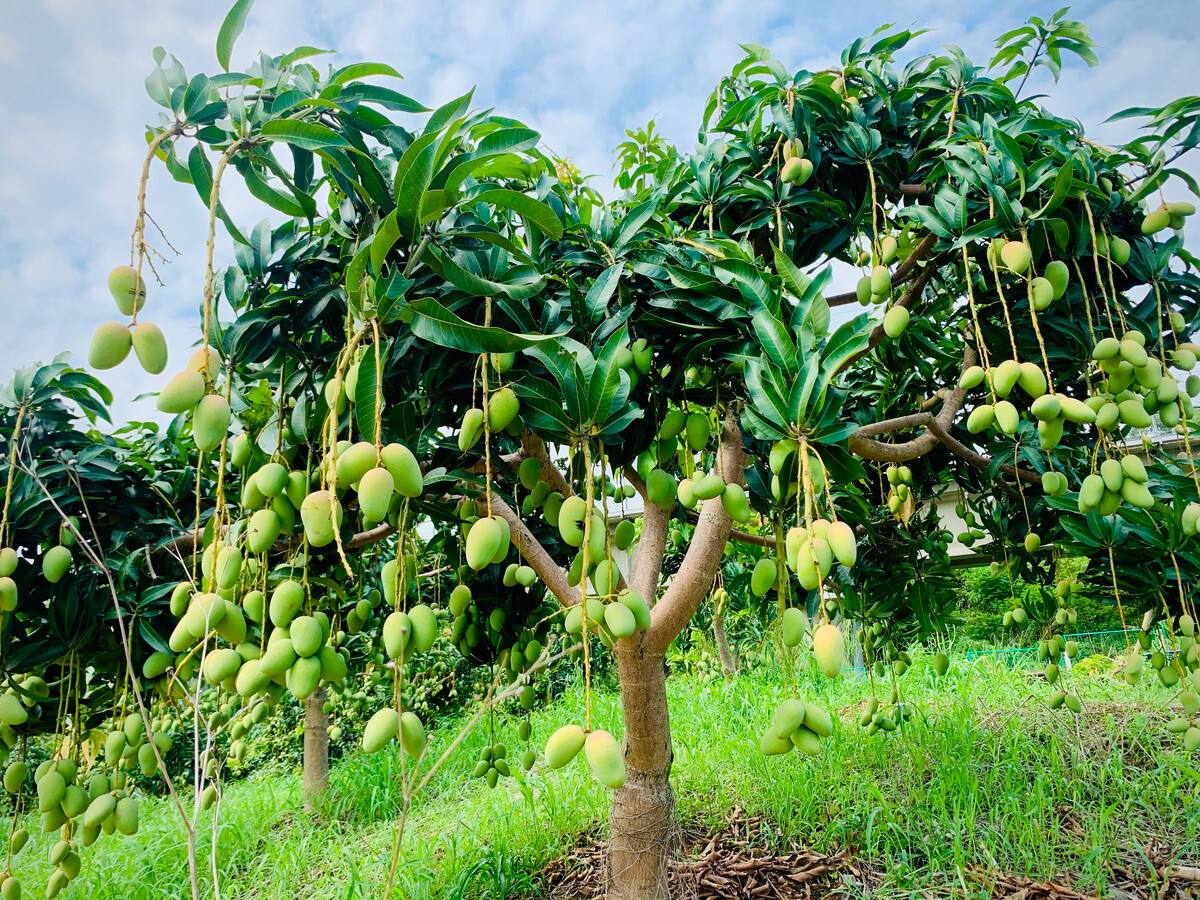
(445, 326)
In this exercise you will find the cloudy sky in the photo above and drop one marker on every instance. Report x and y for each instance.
(74, 108)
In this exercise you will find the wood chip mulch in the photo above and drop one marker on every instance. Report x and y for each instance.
(738, 861)
(732, 862)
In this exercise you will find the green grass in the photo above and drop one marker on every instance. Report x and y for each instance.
(984, 778)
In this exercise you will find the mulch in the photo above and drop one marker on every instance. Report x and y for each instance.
(742, 859)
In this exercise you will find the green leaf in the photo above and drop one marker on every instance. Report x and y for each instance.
(775, 341)
(435, 323)
(1062, 188)
(531, 210)
(385, 238)
(235, 21)
(363, 70)
(364, 392)
(306, 135)
(598, 295)
(413, 173)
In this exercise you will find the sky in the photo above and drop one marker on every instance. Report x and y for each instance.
(74, 110)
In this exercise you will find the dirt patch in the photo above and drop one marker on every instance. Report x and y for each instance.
(743, 859)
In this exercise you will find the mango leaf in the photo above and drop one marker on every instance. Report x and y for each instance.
(362, 70)
(598, 295)
(530, 209)
(235, 21)
(435, 323)
(413, 173)
(364, 391)
(385, 238)
(775, 341)
(306, 135)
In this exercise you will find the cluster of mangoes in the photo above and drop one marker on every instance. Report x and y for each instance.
(811, 551)
(1167, 215)
(876, 287)
(388, 724)
(80, 813)
(796, 724)
(1117, 480)
(194, 390)
(600, 748)
(796, 168)
(1136, 385)
(112, 341)
(899, 479)
(885, 717)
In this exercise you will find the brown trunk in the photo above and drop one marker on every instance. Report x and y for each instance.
(316, 748)
(728, 660)
(643, 811)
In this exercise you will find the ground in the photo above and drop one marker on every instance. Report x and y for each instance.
(986, 793)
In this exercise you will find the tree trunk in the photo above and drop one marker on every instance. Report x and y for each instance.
(644, 832)
(728, 660)
(316, 748)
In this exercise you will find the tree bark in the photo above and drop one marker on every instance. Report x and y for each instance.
(316, 748)
(644, 832)
(728, 660)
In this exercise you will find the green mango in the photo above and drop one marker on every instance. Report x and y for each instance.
(150, 347)
(111, 343)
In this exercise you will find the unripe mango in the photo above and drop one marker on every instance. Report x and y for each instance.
(1016, 256)
(471, 428)
(406, 471)
(321, 514)
(762, 579)
(564, 745)
(829, 649)
(660, 488)
(182, 392)
(895, 320)
(210, 422)
(55, 563)
(792, 626)
(110, 345)
(150, 347)
(128, 289)
(484, 541)
(604, 757)
(503, 408)
(375, 490)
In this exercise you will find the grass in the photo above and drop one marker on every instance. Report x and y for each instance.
(985, 777)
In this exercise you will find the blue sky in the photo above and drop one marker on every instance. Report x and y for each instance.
(580, 73)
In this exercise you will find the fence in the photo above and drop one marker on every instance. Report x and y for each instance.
(1108, 643)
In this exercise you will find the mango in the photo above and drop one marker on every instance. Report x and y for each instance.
(1016, 256)
(220, 665)
(881, 281)
(604, 757)
(397, 628)
(981, 418)
(620, 620)
(471, 428)
(55, 563)
(842, 542)
(321, 515)
(181, 393)
(624, 534)
(564, 745)
(637, 605)
(150, 347)
(763, 576)
(503, 408)
(1059, 276)
(570, 520)
(210, 422)
(895, 320)
(1156, 221)
(706, 487)
(1041, 292)
(1032, 379)
(306, 636)
(792, 625)
(412, 734)
(404, 468)
(697, 431)
(661, 488)
(128, 289)
(796, 170)
(829, 649)
(262, 530)
(375, 490)
(484, 541)
(110, 345)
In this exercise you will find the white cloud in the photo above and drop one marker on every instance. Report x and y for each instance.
(74, 108)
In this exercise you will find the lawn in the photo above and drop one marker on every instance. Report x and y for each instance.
(984, 779)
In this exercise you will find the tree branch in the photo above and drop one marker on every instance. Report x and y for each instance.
(703, 557)
(903, 271)
(553, 577)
